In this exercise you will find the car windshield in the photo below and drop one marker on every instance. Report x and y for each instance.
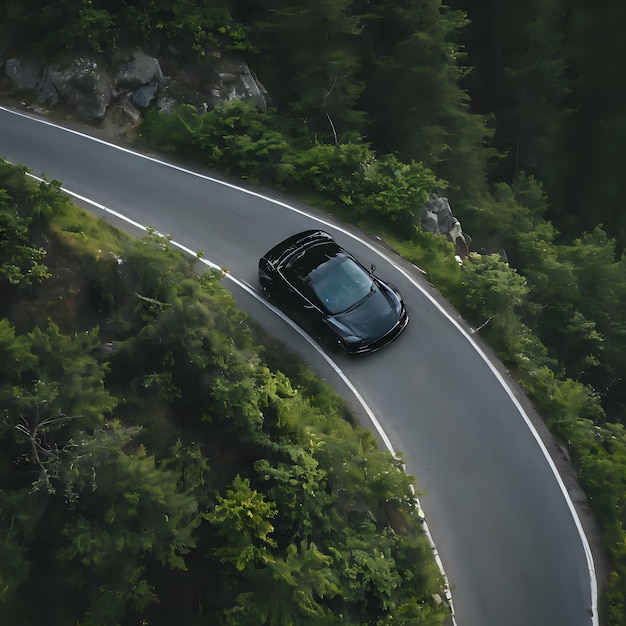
(340, 283)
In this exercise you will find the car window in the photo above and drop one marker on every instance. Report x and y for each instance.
(340, 283)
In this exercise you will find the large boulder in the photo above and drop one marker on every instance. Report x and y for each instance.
(145, 95)
(209, 83)
(235, 81)
(437, 218)
(84, 85)
(25, 75)
(138, 71)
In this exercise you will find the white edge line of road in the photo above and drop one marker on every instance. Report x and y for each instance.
(332, 364)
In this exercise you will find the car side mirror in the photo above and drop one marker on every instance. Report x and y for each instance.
(372, 268)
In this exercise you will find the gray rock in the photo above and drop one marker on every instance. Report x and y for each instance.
(145, 95)
(25, 75)
(139, 71)
(235, 81)
(47, 92)
(84, 86)
(429, 222)
(437, 216)
(124, 114)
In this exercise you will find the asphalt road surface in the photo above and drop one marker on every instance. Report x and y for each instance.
(506, 532)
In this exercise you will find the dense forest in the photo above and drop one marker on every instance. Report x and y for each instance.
(509, 109)
(157, 468)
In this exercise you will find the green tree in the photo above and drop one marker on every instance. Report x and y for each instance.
(317, 46)
(126, 507)
(396, 190)
(288, 590)
(588, 185)
(520, 75)
(369, 574)
(599, 299)
(58, 382)
(331, 170)
(16, 531)
(413, 64)
(241, 139)
(297, 484)
(15, 356)
(496, 291)
(242, 519)
(21, 262)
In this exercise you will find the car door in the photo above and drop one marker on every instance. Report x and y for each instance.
(301, 305)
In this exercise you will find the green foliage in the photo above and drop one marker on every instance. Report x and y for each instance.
(551, 277)
(15, 515)
(496, 291)
(135, 508)
(94, 30)
(62, 25)
(204, 27)
(99, 26)
(330, 170)
(15, 355)
(413, 65)
(516, 50)
(396, 190)
(57, 382)
(142, 509)
(434, 255)
(506, 214)
(243, 140)
(240, 138)
(237, 137)
(560, 400)
(298, 487)
(288, 590)
(318, 46)
(242, 519)
(20, 261)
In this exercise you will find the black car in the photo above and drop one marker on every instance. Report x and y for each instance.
(330, 294)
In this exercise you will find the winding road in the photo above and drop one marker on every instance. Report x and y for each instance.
(505, 529)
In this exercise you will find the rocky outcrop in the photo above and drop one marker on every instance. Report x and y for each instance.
(210, 83)
(25, 75)
(83, 85)
(140, 70)
(92, 88)
(144, 96)
(235, 81)
(437, 218)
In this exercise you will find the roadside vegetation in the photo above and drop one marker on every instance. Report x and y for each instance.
(373, 113)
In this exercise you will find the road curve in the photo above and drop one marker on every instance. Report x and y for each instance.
(505, 529)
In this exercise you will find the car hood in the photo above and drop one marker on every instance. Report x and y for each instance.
(374, 316)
